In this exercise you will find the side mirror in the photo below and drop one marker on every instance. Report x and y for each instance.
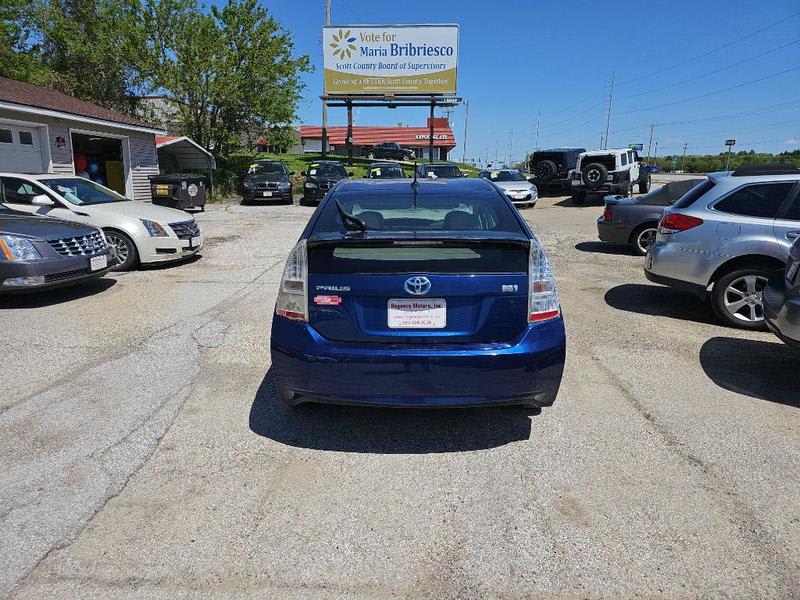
(350, 174)
(42, 200)
(292, 173)
(303, 173)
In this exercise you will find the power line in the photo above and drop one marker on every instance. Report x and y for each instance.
(709, 52)
(707, 73)
(715, 92)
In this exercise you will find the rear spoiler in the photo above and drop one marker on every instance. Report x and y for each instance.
(372, 236)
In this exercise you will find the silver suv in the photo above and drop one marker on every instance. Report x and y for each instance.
(726, 236)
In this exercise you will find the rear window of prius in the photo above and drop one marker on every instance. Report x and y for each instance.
(488, 212)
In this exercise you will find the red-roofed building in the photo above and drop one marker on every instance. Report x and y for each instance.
(416, 138)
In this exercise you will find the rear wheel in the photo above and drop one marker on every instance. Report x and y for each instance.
(407, 157)
(123, 250)
(370, 155)
(644, 185)
(644, 237)
(736, 297)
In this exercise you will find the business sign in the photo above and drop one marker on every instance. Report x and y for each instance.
(730, 142)
(390, 59)
(637, 147)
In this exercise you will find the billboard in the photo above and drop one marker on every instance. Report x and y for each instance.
(390, 59)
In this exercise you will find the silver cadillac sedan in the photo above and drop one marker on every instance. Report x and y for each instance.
(136, 232)
(513, 184)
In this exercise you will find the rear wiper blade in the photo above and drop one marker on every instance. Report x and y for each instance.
(348, 219)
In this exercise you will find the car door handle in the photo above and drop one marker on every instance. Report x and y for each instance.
(792, 235)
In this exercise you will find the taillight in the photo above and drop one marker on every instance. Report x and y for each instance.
(675, 222)
(293, 295)
(542, 293)
(607, 214)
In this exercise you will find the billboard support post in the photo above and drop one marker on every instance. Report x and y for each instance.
(349, 133)
(430, 132)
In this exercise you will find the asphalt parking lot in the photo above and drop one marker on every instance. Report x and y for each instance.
(143, 452)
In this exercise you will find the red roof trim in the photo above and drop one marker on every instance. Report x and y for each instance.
(415, 137)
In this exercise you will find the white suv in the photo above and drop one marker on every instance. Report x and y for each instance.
(613, 171)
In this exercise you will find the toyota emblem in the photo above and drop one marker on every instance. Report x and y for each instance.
(418, 285)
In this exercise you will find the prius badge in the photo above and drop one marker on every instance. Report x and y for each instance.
(418, 285)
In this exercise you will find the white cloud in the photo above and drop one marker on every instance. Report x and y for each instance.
(791, 142)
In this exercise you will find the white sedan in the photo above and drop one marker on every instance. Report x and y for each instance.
(137, 232)
(513, 184)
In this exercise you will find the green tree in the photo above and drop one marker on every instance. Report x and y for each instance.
(229, 72)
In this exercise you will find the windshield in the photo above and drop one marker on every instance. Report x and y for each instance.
(504, 176)
(326, 170)
(396, 212)
(76, 190)
(266, 168)
(441, 171)
(386, 172)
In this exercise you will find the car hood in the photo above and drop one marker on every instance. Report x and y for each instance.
(137, 209)
(513, 185)
(324, 178)
(41, 227)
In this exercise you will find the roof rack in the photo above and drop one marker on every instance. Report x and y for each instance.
(766, 169)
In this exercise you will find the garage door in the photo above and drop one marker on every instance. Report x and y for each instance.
(20, 149)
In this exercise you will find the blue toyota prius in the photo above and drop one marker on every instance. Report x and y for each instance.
(429, 293)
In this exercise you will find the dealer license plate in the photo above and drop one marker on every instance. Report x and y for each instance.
(194, 242)
(266, 194)
(98, 262)
(408, 313)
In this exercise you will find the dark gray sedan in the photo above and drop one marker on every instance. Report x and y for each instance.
(781, 300)
(41, 253)
(634, 221)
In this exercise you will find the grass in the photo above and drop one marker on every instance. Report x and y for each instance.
(230, 176)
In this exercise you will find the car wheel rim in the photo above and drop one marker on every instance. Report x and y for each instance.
(743, 299)
(593, 176)
(646, 239)
(119, 249)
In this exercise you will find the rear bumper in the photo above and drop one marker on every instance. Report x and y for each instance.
(608, 231)
(782, 315)
(308, 367)
(669, 264)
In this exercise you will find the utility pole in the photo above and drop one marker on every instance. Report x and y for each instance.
(466, 120)
(496, 149)
(608, 116)
(538, 126)
(650, 143)
(683, 158)
(510, 147)
(655, 152)
(324, 103)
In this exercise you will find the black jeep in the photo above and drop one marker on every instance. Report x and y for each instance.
(551, 167)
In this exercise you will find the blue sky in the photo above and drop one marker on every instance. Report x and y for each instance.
(517, 58)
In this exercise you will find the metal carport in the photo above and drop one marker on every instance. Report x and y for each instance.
(180, 153)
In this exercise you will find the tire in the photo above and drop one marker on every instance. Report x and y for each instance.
(736, 297)
(545, 171)
(370, 155)
(578, 198)
(406, 157)
(644, 186)
(594, 175)
(123, 250)
(642, 237)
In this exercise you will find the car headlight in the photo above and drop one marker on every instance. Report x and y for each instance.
(248, 185)
(154, 229)
(17, 248)
(284, 185)
(311, 185)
